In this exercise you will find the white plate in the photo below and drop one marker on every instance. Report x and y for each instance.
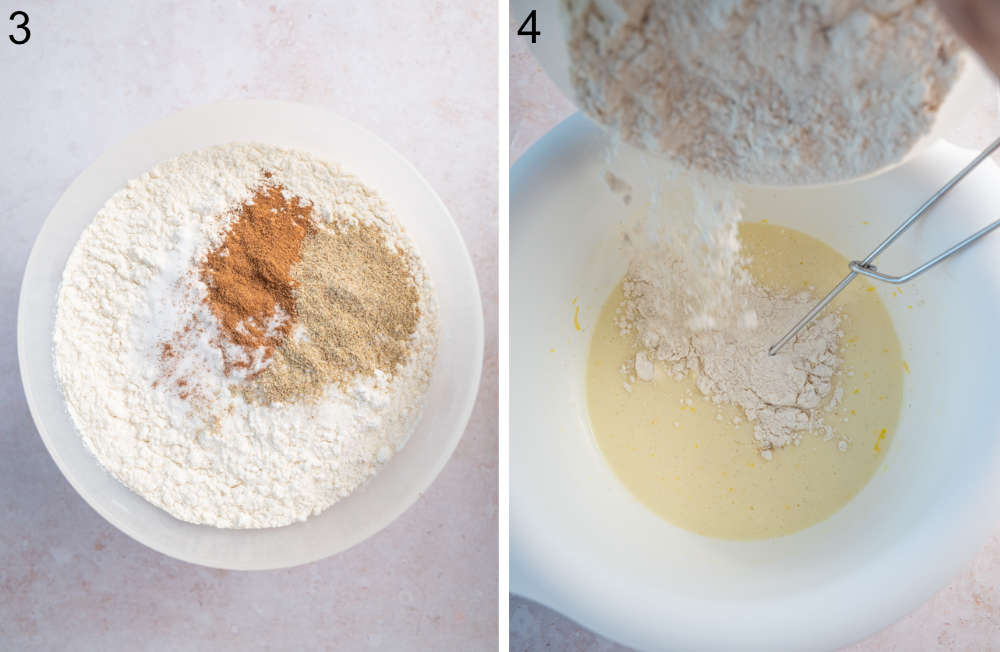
(581, 544)
(456, 373)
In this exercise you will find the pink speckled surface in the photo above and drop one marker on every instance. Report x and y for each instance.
(420, 74)
(965, 616)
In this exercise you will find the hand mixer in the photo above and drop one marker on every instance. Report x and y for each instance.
(866, 267)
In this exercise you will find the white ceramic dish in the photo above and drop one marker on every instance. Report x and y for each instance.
(551, 52)
(581, 544)
(456, 373)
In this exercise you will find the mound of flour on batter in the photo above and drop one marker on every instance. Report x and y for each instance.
(693, 308)
(779, 394)
(132, 283)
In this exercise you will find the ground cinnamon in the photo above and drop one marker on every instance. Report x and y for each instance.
(250, 286)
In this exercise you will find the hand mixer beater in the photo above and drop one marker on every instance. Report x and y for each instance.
(866, 267)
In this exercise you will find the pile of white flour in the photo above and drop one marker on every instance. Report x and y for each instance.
(779, 394)
(127, 287)
(694, 309)
(764, 91)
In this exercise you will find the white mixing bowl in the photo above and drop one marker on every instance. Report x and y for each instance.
(455, 376)
(580, 543)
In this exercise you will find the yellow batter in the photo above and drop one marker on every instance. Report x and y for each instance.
(707, 476)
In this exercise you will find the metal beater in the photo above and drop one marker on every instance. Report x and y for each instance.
(865, 266)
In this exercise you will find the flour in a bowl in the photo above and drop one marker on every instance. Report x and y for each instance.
(764, 91)
(691, 305)
(726, 349)
(244, 335)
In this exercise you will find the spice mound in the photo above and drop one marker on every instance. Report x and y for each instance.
(249, 276)
(245, 335)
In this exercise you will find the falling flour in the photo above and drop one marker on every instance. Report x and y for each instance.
(759, 91)
(764, 91)
(692, 308)
(187, 287)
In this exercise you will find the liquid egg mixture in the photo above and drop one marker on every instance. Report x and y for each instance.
(697, 464)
